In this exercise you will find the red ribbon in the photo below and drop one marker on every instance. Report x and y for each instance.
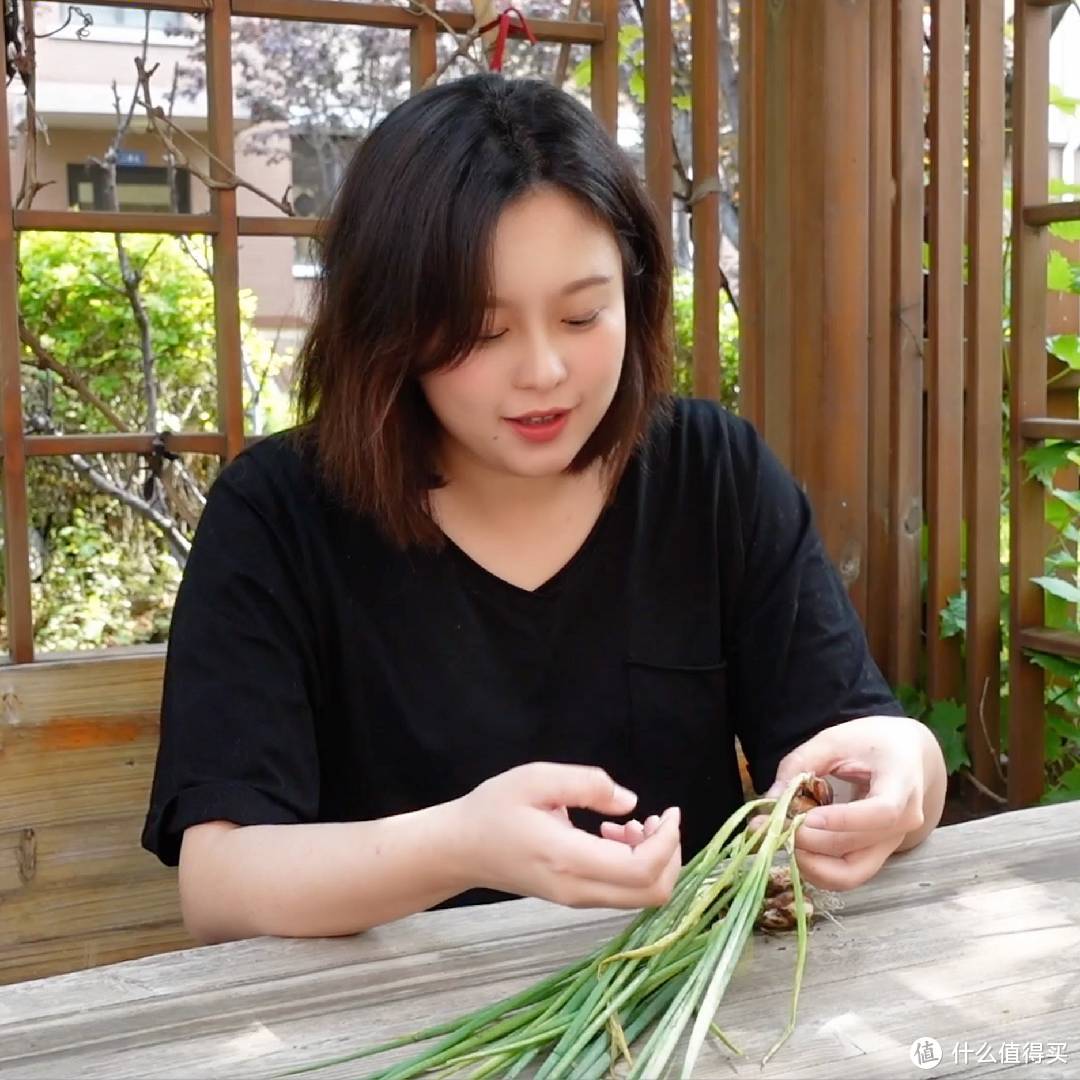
(506, 28)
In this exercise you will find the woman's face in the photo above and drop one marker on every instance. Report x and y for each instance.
(527, 398)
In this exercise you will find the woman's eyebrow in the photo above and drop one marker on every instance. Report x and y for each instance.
(566, 290)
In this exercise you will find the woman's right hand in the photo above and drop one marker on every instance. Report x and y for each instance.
(518, 838)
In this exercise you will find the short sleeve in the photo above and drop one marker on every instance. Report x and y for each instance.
(801, 658)
(237, 740)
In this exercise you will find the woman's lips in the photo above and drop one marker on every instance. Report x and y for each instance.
(539, 427)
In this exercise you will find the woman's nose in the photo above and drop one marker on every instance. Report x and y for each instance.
(540, 366)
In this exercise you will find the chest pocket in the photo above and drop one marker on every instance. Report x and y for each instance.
(680, 738)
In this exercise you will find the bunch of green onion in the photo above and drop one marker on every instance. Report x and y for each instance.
(667, 971)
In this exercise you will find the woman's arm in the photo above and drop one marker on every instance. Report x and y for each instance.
(316, 880)
(511, 833)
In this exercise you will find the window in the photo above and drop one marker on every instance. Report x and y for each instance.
(319, 160)
(1057, 160)
(138, 187)
(131, 18)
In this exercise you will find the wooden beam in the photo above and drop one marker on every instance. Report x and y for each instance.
(945, 370)
(1027, 398)
(226, 241)
(705, 211)
(880, 606)
(659, 155)
(604, 86)
(982, 431)
(906, 396)
(121, 222)
(18, 610)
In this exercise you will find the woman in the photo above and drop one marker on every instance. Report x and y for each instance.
(497, 591)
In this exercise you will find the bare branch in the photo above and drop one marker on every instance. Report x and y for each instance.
(48, 362)
(160, 121)
(419, 5)
(178, 543)
(462, 51)
(27, 67)
(562, 65)
(132, 279)
(206, 267)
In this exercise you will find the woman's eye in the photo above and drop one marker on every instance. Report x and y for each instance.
(491, 336)
(587, 320)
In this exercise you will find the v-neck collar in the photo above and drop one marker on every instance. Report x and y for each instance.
(552, 585)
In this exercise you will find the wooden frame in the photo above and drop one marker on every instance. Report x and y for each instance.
(225, 227)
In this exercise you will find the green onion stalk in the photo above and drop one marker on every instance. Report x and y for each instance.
(665, 972)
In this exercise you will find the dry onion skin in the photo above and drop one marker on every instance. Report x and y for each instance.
(633, 998)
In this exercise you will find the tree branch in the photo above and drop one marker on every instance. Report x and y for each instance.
(47, 362)
(464, 45)
(159, 121)
(563, 62)
(178, 543)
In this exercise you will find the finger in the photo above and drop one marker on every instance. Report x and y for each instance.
(652, 823)
(550, 784)
(818, 755)
(632, 833)
(886, 810)
(837, 844)
(576, 854)
(611, 830)
(586, 893)
(841, 873)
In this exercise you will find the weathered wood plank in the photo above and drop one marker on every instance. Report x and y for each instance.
(87, 950)
(45, 692)
(78, 741)
(77, 853)
(973, 936)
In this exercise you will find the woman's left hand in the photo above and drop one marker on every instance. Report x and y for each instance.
(899, 775)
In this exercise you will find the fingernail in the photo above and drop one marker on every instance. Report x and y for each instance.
(816, 819)
(624, 794)
(775, 790)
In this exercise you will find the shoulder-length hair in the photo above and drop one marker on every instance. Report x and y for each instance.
(406, 279)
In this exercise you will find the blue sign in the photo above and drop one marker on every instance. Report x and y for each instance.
(130, 157)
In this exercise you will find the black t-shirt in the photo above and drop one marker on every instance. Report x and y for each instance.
(316, 673)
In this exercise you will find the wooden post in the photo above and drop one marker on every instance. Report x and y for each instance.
(811, 261)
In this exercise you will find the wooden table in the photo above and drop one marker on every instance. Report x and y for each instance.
(973, 939)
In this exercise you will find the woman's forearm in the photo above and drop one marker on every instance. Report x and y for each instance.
(317, 880)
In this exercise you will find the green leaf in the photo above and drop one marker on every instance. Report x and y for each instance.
(1066, 347)
(1056, 612)
(1066, 230)
(912, 700)
(946, 720)
(682, 102)
(583, 73)
(1061, 101)
(1066, 789)
(1058, 272)
(1066, 590)
(629, 34)
(637, 85)
(1059, 513)
(1061, 560)
(1059, 187)
(1045, 459)
(1061, 666)
(954, 616)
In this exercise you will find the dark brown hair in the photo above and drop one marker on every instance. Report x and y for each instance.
(406, 279)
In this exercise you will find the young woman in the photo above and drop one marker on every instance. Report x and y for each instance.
(498, 591)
